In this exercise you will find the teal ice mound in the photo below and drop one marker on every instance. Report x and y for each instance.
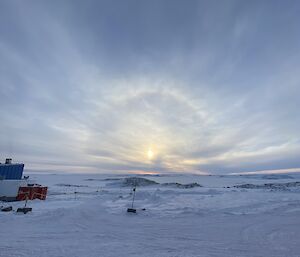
(70, 185)
(277, 176)
(178, 185)
(133, 182)
(273, 186)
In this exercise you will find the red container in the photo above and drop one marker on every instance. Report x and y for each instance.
(32, 192)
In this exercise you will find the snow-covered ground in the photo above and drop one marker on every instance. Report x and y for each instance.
(217, 219)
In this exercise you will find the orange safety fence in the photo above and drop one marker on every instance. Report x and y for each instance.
(31, 193)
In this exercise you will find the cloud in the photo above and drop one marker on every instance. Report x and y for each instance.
(209, 87)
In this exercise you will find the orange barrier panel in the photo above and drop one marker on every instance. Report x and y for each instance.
(32, 192)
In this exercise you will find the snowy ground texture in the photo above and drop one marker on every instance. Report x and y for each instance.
(232, 216)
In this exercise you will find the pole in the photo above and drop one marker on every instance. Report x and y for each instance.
(133, 198)
(26, 200)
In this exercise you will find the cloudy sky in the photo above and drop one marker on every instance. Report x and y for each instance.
(156, 86)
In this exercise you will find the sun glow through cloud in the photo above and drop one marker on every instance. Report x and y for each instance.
(150, 154)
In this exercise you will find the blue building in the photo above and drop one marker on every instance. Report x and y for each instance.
(10, 170)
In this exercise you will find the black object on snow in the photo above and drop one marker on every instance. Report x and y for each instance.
(24, 210)
(132, 209)
(6, 209)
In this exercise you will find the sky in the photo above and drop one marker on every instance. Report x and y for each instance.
(209, 87)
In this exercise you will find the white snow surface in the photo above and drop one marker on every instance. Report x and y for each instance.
(216, 219)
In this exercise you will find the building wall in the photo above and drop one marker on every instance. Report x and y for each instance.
(10, 188)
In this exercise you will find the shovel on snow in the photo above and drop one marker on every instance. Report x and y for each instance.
(25, 209)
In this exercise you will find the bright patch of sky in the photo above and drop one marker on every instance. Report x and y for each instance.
(206, 86)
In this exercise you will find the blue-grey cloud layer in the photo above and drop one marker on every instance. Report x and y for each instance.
(209, 86)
